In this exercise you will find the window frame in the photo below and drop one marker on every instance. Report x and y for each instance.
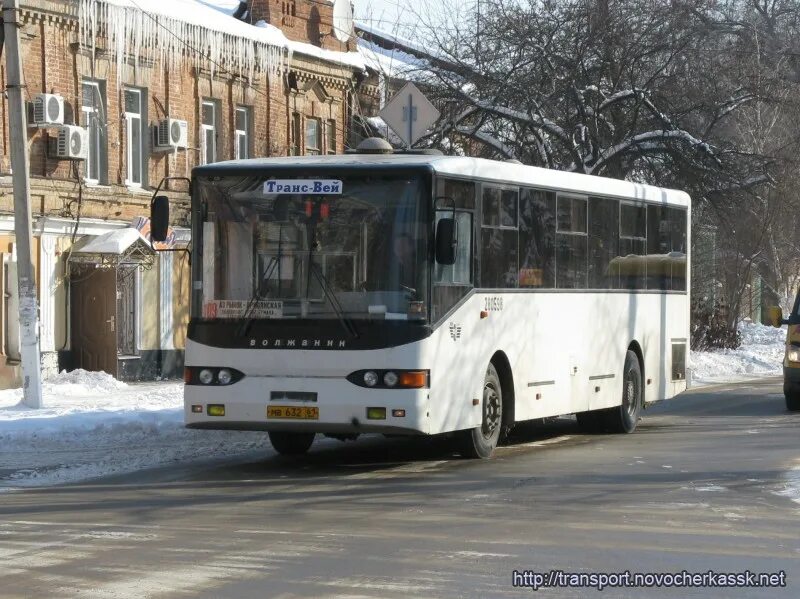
(296, 128)
(129, 149)
(238, 133)
(330, 133)
(96, 155)
(312, 150)
(205, 128)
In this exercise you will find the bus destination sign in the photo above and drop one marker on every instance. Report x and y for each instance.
(306, 186)
(241, 308)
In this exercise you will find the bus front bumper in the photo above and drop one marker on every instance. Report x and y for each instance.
(341, 407)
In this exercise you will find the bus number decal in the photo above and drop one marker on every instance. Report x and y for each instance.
(493, 304)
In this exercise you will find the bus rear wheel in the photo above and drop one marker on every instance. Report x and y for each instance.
(291, 443)
(623, 419)
(481, 441)
(792, 402)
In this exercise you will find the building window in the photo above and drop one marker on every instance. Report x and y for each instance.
(330, 135)
(295, 148)
(208, 132)
(242, 133)
(134, 137)
(289, 10)
(93, 111)
(312, 136)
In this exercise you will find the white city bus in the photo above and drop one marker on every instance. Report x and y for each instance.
(426, 294)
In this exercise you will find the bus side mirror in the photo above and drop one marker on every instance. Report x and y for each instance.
(159, 218)
(446, 241)
(775, 316)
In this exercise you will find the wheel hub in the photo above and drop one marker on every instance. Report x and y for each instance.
(492, 411)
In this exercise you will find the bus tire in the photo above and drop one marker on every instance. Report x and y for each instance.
(624, 418)
(481, 441)
(792, 402)
(291, 443)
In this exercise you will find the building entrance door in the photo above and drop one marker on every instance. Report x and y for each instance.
(93, 297)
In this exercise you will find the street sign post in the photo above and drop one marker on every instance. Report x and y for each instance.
(410, 114)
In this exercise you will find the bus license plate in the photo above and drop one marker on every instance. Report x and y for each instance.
(293, 412)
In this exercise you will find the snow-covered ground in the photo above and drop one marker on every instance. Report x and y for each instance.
(792, 486)
(761, 354)
(93, 425)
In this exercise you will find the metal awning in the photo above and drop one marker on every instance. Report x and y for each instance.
(123, 247)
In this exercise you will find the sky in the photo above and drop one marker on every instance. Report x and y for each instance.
(382, 13)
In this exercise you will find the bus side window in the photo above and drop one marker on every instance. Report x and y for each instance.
(537, 239)
(452, 282)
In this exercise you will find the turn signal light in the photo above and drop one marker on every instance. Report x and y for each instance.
(414, 379)
(197, 409)
(390, 379)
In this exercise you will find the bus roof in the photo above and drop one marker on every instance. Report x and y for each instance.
(478, 168)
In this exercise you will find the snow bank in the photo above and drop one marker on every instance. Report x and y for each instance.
(94, 425)
(761, 354)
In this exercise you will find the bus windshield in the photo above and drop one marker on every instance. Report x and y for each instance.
(350, 247)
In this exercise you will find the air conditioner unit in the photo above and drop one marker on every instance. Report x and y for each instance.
(171, 134)
(48, 110)
(72, 143)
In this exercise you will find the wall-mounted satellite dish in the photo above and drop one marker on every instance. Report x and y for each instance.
(342, 20)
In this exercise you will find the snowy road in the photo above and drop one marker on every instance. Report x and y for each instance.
(708, 482)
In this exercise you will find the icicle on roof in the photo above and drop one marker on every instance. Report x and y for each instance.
(178, 32)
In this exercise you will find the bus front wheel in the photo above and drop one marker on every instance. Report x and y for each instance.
(291, 443)
(481, 441)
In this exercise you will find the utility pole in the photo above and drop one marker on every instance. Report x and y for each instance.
(28, 305)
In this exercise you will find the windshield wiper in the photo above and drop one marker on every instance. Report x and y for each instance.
(346, 322)
(258, 295)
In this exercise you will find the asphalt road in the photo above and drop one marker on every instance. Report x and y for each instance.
(696, 488)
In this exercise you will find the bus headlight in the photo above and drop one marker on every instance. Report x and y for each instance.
(793, 353)
(390, 379)
(206, 376)
(224, 377)
(212, 376)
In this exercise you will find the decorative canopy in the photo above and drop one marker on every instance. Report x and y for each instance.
(123, 247)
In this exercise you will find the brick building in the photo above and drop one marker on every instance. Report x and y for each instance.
(148, 89)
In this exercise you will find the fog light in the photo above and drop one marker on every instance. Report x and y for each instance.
(390, 379)
(215, 409)
(370, 378)
(376, 413)
(224, 377)
(206, 376)
(197, 409)
(398, 413)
